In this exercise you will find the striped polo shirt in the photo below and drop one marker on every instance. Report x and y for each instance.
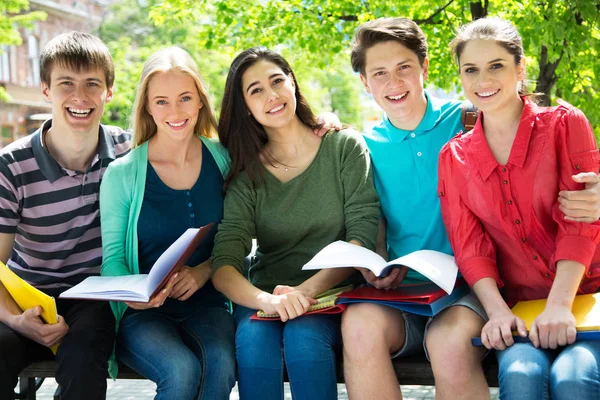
(54, 211)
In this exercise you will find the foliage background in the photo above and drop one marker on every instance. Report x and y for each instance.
(561, 39)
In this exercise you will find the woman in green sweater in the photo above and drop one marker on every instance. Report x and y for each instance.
(295, 193)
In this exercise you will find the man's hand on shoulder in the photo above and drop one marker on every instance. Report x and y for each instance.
(329, 121)
(30, 325)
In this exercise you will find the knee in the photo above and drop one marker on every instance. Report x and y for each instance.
(363, 332)
(255, 349)
(451, 342)
(523, 364)
(306, 339)
(181, 375)
(220, 355)
(575, 373)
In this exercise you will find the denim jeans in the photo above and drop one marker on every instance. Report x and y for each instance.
(571, 372)
(307, 346)
(188, 356)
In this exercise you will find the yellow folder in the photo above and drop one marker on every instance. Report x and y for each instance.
(586, 309)
(26, 296)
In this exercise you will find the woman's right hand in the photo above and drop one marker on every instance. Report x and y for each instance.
(288, 305)
(156, 301)
(497, 332)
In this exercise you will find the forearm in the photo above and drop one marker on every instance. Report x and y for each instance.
(234, 286)
(487, 291)
(8, 307)
(565, 285)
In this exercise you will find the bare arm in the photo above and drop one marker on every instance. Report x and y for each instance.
(232, 284)
(497, 332)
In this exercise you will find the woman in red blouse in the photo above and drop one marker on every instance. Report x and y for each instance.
(498, 188)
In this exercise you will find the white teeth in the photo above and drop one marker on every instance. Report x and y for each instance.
(486, 94)
(80, 112)
(177, 124)
(276, 109)
(397, 97)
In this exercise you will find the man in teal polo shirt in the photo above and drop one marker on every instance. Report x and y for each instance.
(391, 56)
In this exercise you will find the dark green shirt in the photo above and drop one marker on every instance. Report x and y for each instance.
(333, 199)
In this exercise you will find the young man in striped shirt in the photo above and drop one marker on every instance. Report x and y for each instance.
(50, 221)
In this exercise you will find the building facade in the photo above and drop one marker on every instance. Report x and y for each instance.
(20, 68)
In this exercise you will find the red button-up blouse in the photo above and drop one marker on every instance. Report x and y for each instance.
(503, 221)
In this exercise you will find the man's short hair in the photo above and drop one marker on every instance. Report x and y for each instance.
(78, 51)
(401, 30)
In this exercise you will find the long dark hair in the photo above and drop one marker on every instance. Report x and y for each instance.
(239, 132)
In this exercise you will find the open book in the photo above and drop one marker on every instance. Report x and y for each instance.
(26, 296)
(326, 304)
(141, 287)
(440, 268)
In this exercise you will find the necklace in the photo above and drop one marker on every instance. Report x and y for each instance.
(286, 166)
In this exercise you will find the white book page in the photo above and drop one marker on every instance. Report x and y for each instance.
(167, 260)
(342, 254)
(440, 268)
(110, 287)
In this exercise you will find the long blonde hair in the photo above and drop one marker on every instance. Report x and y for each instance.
(170, 59)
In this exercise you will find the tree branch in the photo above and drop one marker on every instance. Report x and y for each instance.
(429, 20)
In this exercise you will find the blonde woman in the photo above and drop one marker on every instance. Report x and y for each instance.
(183, 338)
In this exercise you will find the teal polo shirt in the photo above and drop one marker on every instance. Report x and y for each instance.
(405, 165)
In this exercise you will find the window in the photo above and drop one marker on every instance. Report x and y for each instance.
(34, 60)
(4, 64)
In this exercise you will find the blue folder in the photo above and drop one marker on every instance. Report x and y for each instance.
(584, 335)
(427, 310)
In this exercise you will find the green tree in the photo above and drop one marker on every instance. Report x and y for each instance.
(331, 88)
(561, 37)
(15, 14)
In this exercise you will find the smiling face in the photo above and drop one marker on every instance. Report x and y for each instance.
(173, 102)
(490, 77)
(269, 95)
(395, 78)
(78, 99)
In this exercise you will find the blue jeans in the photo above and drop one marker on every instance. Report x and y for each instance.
(188, 356)
(571, 372)
(307, 346)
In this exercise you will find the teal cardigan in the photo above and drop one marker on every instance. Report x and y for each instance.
(121, 197)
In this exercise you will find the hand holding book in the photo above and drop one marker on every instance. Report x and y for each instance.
(144, 287)
(288, 305)
(586, 310)
(158, 299)
(390, 282)
(438, 267)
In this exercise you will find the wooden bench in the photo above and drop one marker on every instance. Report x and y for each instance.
(410, 371)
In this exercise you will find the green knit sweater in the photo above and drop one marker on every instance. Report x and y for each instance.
(333, 199)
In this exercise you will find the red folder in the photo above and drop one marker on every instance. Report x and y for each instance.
(422, 293)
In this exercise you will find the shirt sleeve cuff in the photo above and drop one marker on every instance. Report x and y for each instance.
(576, 248)
(478, 268)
